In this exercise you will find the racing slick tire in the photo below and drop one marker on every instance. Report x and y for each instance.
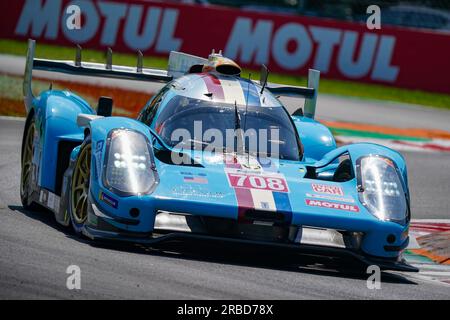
(79, 188)
(26, 160)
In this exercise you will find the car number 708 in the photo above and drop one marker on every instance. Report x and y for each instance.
(272, 183)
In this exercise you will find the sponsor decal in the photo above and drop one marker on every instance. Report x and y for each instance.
(43, 197)
(109, 200)
(330, 197)
(56, 203)
(194, 178)
(49, 199)
(104, 21)
(95, 167)
(267, 181)
(257, 37)
(258, 189)
(98, 159)
(328, 189)
(264, 205)
(99, 146)
(192, 190)
(332, 205)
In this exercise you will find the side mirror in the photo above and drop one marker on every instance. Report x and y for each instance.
(298, 112)
(84, 119)
(104, 107)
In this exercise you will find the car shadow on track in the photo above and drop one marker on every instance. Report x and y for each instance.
(48, 218)
(268, 258)
(239, 255)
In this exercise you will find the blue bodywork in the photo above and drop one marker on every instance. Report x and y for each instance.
(56, 113)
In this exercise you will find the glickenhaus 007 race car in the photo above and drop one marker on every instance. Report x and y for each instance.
(160, 177)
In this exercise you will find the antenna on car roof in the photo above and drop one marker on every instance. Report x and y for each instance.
(238, 130)
(263, 77)
(140, 63)
(109, 59)
(78, 56)
(245, 116)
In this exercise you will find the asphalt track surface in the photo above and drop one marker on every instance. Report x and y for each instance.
(35, 252)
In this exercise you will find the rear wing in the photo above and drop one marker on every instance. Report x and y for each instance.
(78, 67)
(179, 64)
(309, 93)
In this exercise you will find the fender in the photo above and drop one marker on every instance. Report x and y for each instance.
(355, 152)
(56, 114)
(316, 138)
(62, 215)
(358, 150)
(99, 130)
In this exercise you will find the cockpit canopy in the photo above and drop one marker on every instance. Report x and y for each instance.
(204, 111)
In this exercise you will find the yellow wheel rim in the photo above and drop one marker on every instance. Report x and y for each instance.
(27, 159)
(80, 185)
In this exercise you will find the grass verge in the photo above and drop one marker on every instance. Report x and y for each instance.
(338, 87)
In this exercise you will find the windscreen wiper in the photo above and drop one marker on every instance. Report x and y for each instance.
(238, 131)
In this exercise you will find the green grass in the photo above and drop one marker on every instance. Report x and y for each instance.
(337, 87)
(11, 88)
(68, 53)
(373, 135)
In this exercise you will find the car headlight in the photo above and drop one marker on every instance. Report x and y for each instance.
(381, 189)
(129, 165)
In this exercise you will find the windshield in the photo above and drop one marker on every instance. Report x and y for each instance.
(195, 123)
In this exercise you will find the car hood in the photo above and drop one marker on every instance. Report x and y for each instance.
(228, 185)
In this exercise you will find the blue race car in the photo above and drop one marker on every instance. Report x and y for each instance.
(167, 175)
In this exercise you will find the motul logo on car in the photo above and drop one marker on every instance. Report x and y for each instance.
(45, 19)
(255, 41)
(332, 205)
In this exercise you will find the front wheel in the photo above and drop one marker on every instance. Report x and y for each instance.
(79, 187)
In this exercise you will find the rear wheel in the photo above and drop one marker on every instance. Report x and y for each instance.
(27, 166)
(79, 188)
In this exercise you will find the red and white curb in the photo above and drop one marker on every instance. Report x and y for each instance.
(427, 226)
(431, 237)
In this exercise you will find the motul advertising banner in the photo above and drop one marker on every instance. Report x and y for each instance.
(286, 43)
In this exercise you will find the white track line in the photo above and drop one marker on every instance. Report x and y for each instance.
(10, 118)
(430, 221)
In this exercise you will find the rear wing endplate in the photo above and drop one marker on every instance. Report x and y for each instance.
(309, 93)
(181, 63)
